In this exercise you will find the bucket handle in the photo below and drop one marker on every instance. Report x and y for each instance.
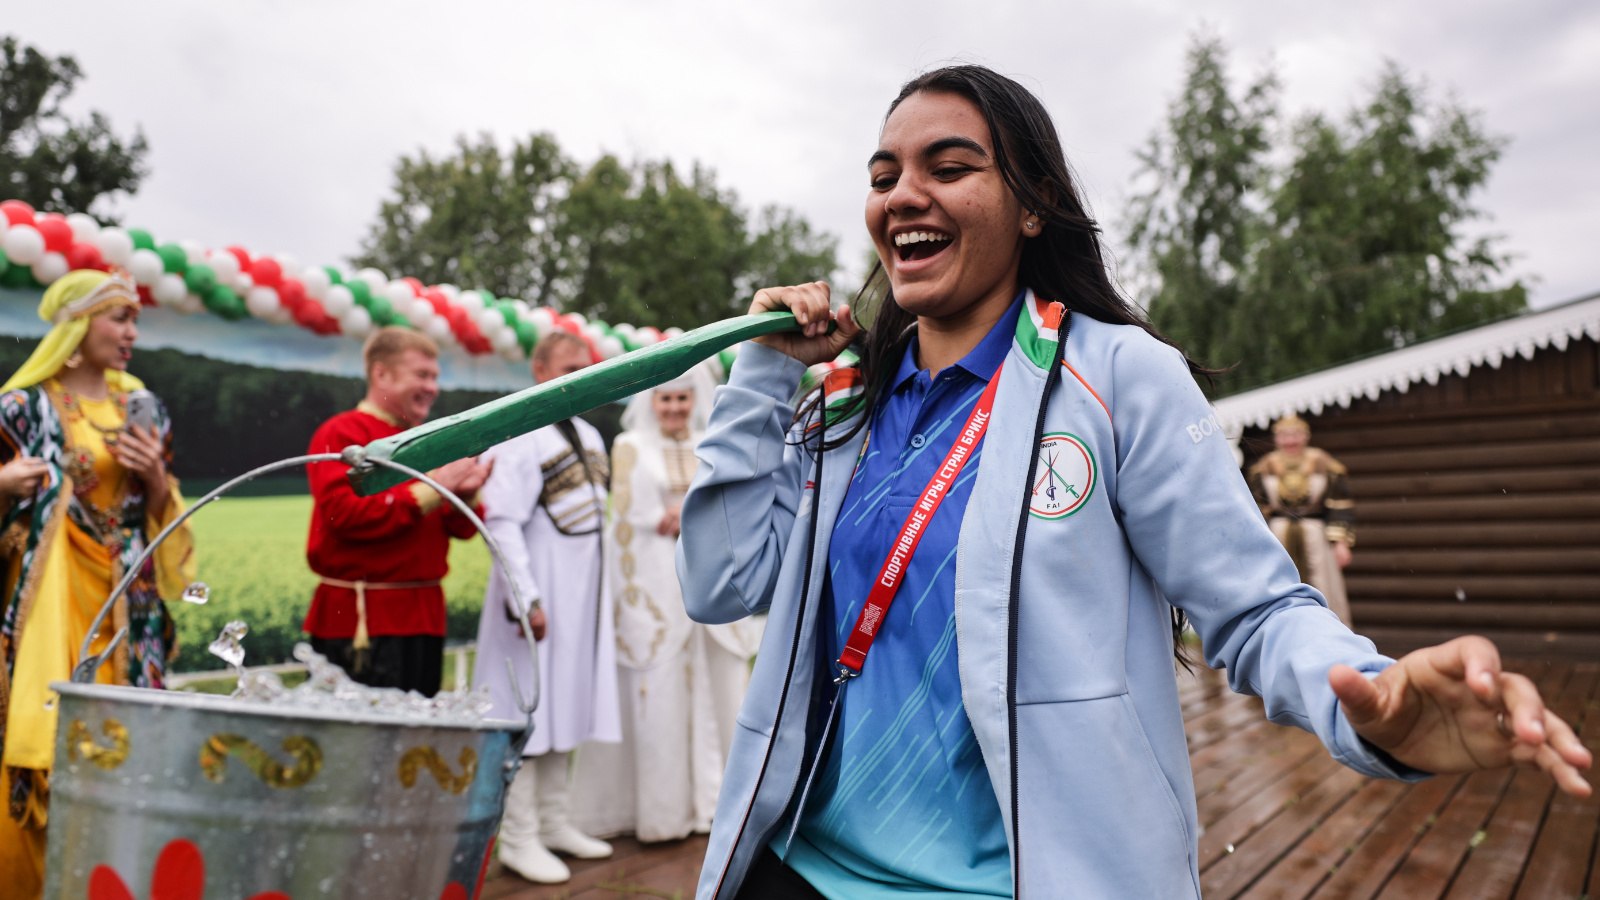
(84, 672)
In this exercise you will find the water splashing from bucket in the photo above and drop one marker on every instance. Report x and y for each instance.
(229, 646)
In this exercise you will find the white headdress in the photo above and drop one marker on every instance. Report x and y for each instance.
(641, 416)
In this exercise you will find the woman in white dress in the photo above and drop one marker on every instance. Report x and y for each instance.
(680, 682)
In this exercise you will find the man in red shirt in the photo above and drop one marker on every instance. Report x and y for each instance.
(379, 611)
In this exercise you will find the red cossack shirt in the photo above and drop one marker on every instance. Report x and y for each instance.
(383, 538)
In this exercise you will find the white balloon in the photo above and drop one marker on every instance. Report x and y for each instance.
(592, 330)
(49, 267)
(672, 332)
(400, 294)
(23, 244)
(624, 330)
(84, 228)
(145, 267)
(438, 328)
(504, 339)
(471, 301)
(512, 354)
(262, 302)
(225, 264)
(450, 291)
(521, 306)
(244, 283)
(281, 317)
(489, 320)
(542, 320)
(577, 317)
(288, 263)
(169, 289)
(115, 245)
(610, 346)
(356, 321)
(195, 252)
(189, 305)
(338, 300)
(317, 282)
(419, 310)
(374, 278)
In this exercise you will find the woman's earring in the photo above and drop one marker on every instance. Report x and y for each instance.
(1030, 225)
(75, 360)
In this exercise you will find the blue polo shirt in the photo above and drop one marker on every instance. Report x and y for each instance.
(904, 801)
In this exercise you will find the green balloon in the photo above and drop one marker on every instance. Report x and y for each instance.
(362, 293)
(509, 313)
(17, 276)
(334, 276)
(141, 239)
(200, 279)
(5, 264)
(216, 298)
(173, 258)
(527, 335)
(381, 309)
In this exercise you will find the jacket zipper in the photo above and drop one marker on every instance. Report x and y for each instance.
(794, 651)
(1015, 605)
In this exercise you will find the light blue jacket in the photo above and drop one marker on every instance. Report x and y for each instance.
(1063, 630)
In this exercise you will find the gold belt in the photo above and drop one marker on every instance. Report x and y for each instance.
(361, 641)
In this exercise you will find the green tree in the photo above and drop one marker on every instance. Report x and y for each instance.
(1367, 250)
(1201, 209)
(1289, 250)
(478, 218)
(48, 159)
(638, 243)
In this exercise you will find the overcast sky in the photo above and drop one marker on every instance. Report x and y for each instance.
(275, 125)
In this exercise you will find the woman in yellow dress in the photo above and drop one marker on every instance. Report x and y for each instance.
(80, 494)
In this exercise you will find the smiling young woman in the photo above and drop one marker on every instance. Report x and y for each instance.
(975, 545)
(81, 490)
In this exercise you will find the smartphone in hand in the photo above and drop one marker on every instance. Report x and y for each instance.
(141, 409)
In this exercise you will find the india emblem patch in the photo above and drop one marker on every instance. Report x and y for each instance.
(1065, 477)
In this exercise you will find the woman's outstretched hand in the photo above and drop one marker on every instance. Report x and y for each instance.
(1441, 709)
(140, 452)
(809, 303)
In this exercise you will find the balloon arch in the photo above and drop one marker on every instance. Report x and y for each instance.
(233, 283)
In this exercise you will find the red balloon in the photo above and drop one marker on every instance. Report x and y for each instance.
(328, 325)
(416, 285)
(307, 313)
(243, 257)
(16, 212)
(57, 233)
(86, 256)
(291, 293)
(266, 272)
(457, 317)
(145, 298)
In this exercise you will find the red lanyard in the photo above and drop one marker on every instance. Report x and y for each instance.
(893, 572)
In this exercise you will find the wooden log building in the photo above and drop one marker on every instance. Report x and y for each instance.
(1475, 464)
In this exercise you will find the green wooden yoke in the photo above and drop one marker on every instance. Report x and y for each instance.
(435, 443)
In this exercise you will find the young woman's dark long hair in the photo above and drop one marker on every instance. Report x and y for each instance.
(1063, 263)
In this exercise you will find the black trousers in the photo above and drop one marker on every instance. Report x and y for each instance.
(770, 879)
(410, 662)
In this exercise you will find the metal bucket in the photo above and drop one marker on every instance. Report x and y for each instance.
(177, 796)
(247, 799)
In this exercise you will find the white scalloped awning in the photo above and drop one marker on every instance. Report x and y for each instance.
(1425, 362)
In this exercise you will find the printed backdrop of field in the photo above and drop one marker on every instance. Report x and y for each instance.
(252, 553)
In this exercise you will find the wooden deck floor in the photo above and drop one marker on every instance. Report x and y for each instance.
(1283, 821)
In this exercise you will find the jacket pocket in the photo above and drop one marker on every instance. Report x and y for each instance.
(1096, 815)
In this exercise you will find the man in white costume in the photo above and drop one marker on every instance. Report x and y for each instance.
(546, 505)
(681, 682)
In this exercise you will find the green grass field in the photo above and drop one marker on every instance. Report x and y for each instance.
(252, 552)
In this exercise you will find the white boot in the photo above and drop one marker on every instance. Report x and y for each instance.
(555, 832)
(520, 849)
